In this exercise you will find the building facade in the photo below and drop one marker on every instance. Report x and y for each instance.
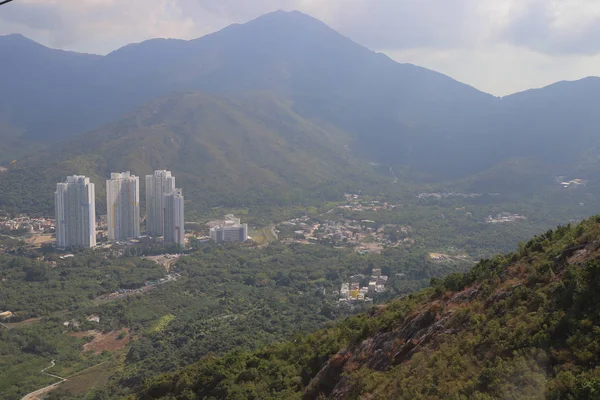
(157, 185)
(123, 206)
(75, 209)
(229, 230)
(174, 223)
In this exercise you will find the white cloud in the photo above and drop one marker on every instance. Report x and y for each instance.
(555, 26)
(104, 25)
(496, 45)
(503, 69)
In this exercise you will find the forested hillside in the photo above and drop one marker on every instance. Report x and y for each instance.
(247, 150)
(521, 325)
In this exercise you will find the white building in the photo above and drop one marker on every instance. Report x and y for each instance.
(229, 230)
(123, 206)
(157, 186)
(75, 212)
(174, 223)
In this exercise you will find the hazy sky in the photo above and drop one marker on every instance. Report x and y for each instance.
(499, 46)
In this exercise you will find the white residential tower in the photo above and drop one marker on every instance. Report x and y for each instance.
(173, 217)
(157, 186)
(75, 212)
(123, 206)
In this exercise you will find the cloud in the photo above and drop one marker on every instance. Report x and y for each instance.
(502, 69)
(546, 26)
(492, 44)
(103, 25)
(555, 26)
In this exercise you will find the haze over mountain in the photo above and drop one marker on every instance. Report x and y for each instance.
(395, 114)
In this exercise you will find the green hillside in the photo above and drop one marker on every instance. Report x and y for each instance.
(245, 150)
(524, 325)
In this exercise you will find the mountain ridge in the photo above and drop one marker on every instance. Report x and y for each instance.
(434, 128)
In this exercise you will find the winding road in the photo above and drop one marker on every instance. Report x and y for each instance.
(39, 394)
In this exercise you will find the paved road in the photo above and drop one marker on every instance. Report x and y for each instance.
(39, 394)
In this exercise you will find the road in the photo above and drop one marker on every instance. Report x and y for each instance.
(7, 327)
(169, 263)
(39, 394)
(274, 233)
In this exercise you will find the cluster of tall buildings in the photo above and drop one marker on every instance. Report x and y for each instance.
(76, 210)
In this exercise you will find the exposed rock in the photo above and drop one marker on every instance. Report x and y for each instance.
(379, 353)
(466, 295)
(498, 297)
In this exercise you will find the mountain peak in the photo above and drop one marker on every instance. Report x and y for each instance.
(288, 19)
(18, 39)
(295, 14)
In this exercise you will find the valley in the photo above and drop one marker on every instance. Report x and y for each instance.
(409, 236)
(246, 296)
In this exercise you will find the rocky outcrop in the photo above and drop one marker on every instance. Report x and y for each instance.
(379, 353)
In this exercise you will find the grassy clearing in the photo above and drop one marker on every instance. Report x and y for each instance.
(263, 236)
(94, 377)
(162, 323)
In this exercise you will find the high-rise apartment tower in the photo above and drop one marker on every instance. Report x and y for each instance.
(75, 212)
(123, 206)
(157, 185)
(174, 222)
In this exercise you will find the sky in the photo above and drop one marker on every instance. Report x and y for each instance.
(498, 46)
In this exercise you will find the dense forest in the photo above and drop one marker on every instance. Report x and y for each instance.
(521, 325)
(227, 297)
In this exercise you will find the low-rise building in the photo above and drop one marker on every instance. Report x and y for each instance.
(229, 230)
(372, 286)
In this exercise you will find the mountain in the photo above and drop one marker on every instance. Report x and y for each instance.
(248, 149)
(521, 325)
(326, 76)
(430, 126)
(40, 84)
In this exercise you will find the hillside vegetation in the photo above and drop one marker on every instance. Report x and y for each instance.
(524, 325)
(250, 149)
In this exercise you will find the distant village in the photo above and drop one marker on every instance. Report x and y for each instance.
(364, 235)
(445, 195)
(504, 218)
(27, 224)
(353, 292)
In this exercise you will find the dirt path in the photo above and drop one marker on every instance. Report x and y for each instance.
(168, 265)
(39, 394)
